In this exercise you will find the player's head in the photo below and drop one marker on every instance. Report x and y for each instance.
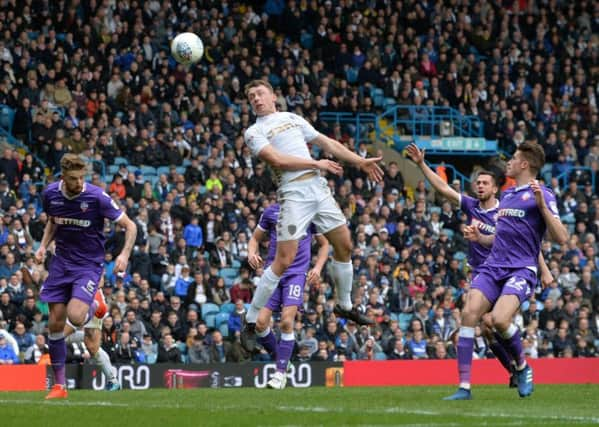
(486, 185)
(528, 158)
(73, 173)
(261, 96)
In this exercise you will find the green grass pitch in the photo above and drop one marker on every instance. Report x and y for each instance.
(550, 405)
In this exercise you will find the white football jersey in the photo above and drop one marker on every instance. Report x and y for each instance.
(288, 133)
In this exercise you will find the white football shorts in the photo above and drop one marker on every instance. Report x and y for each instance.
(305, 202)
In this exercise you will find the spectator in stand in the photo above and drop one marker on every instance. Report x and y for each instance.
(7, 353)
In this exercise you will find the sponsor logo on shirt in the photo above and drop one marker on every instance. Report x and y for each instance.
(84, 206)
(482, 226)
(279, 129)
(526, 196)
(72, 221)
(518, 213)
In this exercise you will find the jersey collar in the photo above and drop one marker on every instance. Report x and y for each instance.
(65, 194)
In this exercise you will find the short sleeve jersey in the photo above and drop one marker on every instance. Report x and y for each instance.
(80, 221)
(288, 133)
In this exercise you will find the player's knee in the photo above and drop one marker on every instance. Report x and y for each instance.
(76, 319)
(343, 250)
(286, 326)
(501, 323)
(261, 325)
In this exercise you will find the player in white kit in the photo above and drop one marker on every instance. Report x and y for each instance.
(280, 139)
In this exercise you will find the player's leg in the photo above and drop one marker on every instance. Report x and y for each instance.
(265, 335)
(291, 291)
(516, 290)
(286, 251)
(497, 347)
(56, 292)
(93, 342)
(57, 348)
(342, 273)
(479, 300)
(284, 348)
(84, 303)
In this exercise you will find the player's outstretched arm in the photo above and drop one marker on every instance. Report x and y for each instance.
(473, 234)
(341, 152)
(286, 162)
(120, 264)
(254, 258)
(417, 156)
(321, 259)
(556, 230)
(546, 276)
(48, 236)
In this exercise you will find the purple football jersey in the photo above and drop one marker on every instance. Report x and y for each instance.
(520, 228)
(268, 224)
(485, 221)
(80, 222)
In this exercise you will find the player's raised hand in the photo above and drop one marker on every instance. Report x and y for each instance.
(330, 166)
(255, 261)
(40, 254)
(472, 233)
(374, 171)
(415, 153)
(120, 264)
(313, 276)
(538, 192)
(546, 278)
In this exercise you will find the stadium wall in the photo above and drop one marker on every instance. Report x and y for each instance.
(445, 372)
(349, 374)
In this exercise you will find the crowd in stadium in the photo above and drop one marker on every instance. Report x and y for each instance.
(95, 78)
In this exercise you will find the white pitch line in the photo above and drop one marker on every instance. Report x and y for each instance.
(315, 409)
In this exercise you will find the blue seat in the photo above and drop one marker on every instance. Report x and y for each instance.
(379, 355)
(222, 318)
(181, 170)
(306, 40)
(449, 232)
(7, 116)
(235, 263)
(209, 312)
(121, 160)
(148, 170)
(224, 329)
(460, 256)
(404, 321)
(227, 308)
(163, 170)
(186, 162)
(229, 273)
(389, 102)
(351, 75)
(112, 169)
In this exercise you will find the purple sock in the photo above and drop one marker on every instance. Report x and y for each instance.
(269, 342)
(284, 351)
(501, 353)
(514, 345)
(465, 347)
(58, 355)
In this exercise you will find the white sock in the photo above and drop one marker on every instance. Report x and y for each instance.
(263, 333)
(103, 360)
(267, 285)
(342, 274)
(466, 332)
(509, 332)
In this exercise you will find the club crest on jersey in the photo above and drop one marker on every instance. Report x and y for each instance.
(84, 206)
(526, 196)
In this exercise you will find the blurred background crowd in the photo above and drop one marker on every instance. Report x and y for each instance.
(95, 78)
